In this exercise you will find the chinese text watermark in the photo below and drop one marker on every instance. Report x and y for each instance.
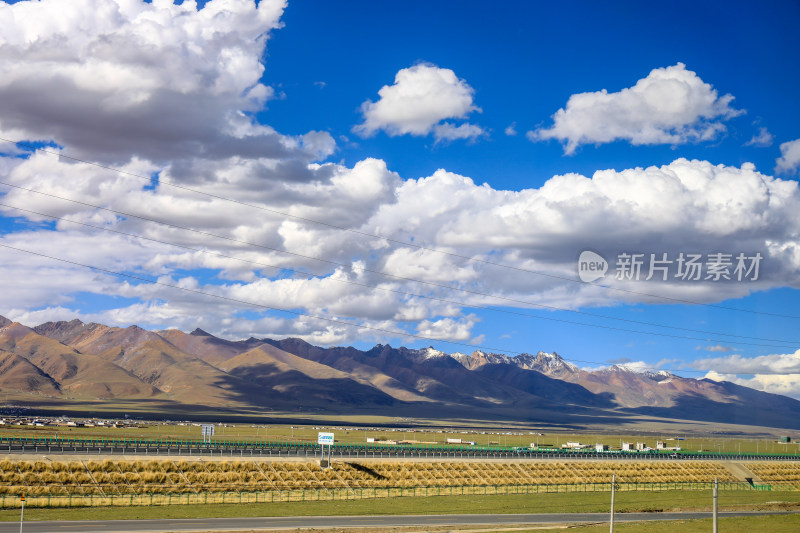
(683, 266)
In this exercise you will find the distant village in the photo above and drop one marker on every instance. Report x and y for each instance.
(41, 422)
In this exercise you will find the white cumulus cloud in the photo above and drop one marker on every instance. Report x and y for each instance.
(448, 328)
(689, 206)
(671, 105)
(108, 79)
(775, 373)
(762, 138)
(783, 384)
(790, 157)
(421, 98)
(764, 364)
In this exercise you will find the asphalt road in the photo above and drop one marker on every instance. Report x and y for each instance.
(271, 523)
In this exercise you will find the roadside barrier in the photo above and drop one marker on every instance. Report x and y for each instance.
(241, 448)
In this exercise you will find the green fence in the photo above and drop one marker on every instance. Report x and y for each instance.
(307, 447)
(123, 500)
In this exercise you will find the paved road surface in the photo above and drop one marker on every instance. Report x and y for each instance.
(265, 524)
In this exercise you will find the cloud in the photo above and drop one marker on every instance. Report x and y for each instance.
(421, 98)
(450, 132)
(684, 206)
(671, 105)
(790, 157)
(448, 328)
(108, 79)
(785, 384)
(638, 366)
(716, 348)
(764, 364)
(511, 129)
(762, 138)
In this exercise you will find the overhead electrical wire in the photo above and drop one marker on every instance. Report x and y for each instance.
(389, 239)
(464, 304)
(398, 333)
(349, 324)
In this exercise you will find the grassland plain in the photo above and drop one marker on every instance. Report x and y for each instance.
(483, 436)
(543, 503)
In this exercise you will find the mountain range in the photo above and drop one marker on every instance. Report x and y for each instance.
(61, 365)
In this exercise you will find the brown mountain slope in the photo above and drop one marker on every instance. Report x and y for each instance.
(69, 333)
(78, 375)
(184, 378)
(204, 346)
(223, 354)
(98, 339)
(397, 377)
(153, 360)
(304, 380)
(632, 389)
(345, 360)
(19, 374)
(427, 373)
(295, 376)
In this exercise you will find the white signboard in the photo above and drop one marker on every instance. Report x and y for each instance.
(207, 430)
(324, 438)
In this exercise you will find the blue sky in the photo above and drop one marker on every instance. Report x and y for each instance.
(519, 134)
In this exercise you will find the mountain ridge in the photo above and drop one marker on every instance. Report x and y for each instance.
(71, 360)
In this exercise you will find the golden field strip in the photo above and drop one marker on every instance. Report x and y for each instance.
(82, 476)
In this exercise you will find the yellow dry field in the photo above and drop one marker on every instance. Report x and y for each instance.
(114, 477)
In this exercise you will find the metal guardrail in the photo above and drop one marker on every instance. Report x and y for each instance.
(233, 448)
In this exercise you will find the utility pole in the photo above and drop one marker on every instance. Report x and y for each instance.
(716, 498)
(613, 483)
(22, 512)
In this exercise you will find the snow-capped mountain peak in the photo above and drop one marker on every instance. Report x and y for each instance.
(545, 362)
(430, 353)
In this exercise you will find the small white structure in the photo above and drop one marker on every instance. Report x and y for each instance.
(661, 445)
(453, 441)
(641, 446)
(627, 447)
(601, 447)
(575, 446)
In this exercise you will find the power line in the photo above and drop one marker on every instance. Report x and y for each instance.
(390, 239)
(476, 306)
(398, 333)
(249, 303)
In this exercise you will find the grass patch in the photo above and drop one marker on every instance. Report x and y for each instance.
(542, 503)
(429, 431)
